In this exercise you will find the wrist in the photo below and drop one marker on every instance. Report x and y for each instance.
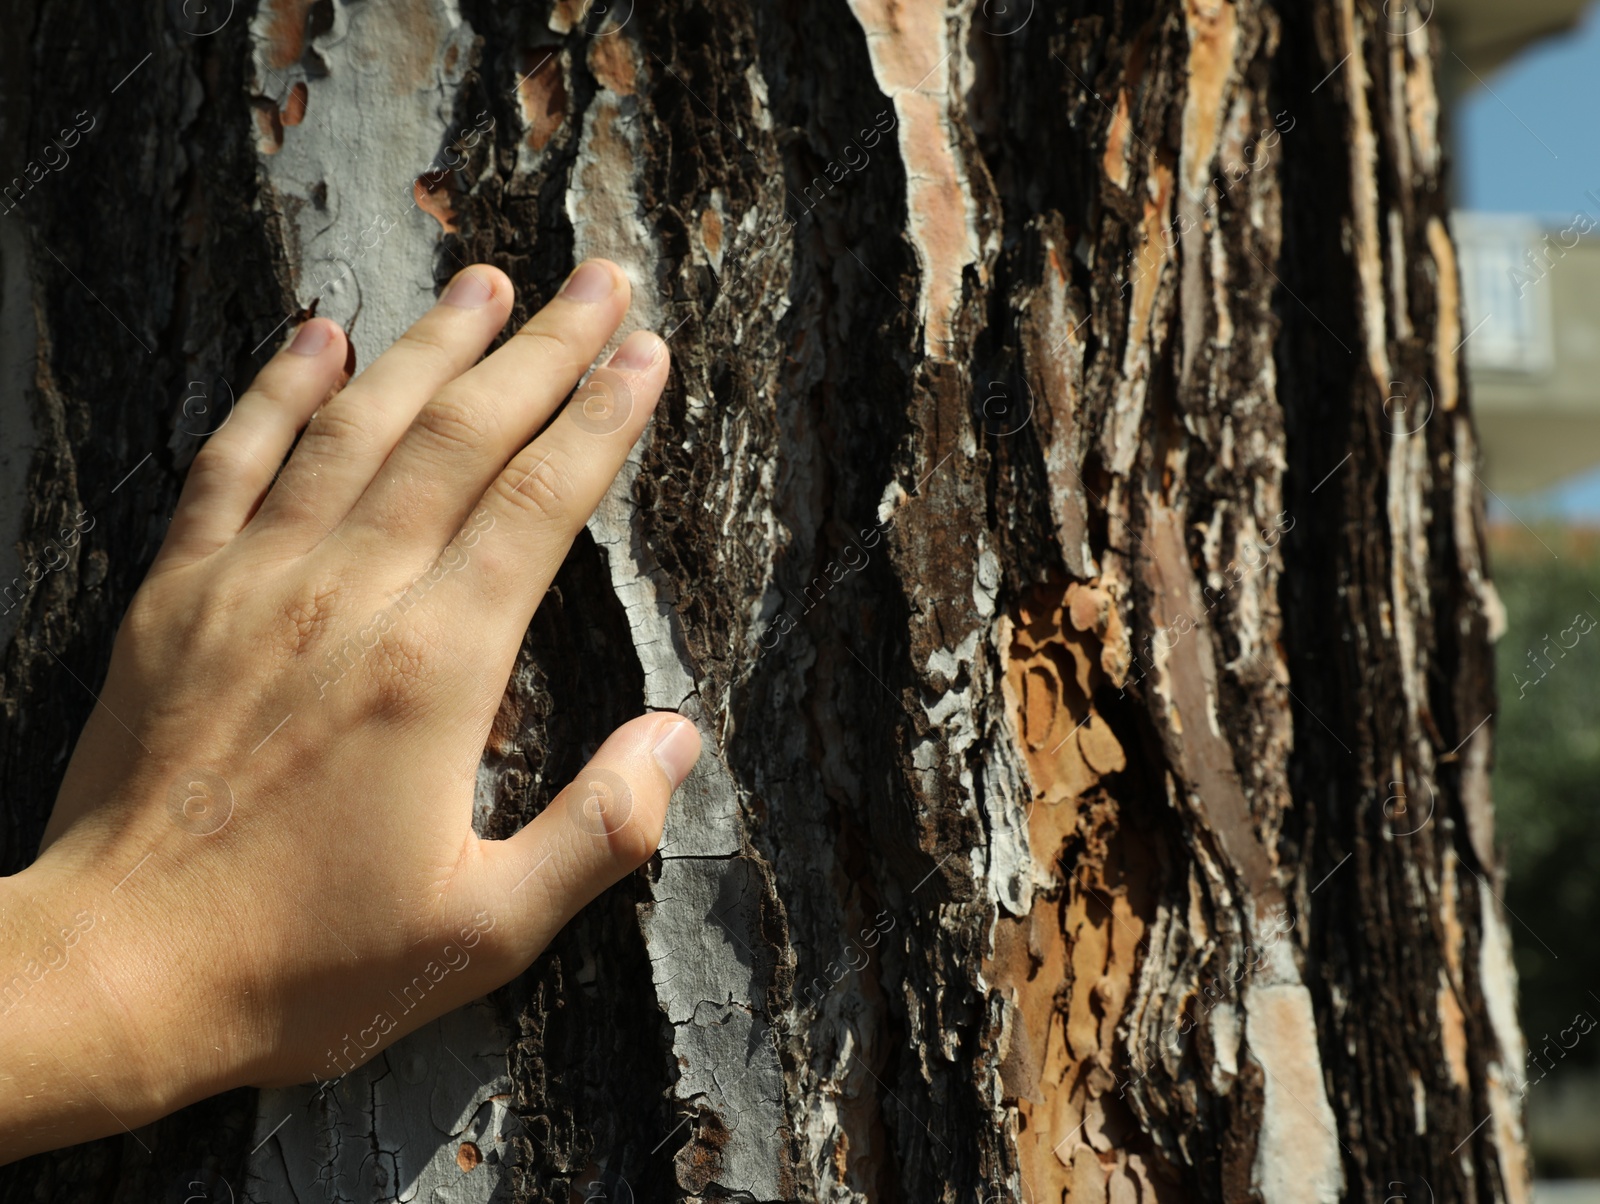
(93, 1002)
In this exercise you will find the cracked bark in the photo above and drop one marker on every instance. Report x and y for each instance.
(1061, 521)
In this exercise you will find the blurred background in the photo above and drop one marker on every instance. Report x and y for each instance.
(1521, 85)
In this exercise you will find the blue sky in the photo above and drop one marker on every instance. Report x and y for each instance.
(1529, 142)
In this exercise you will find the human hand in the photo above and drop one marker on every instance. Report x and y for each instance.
(267, 821)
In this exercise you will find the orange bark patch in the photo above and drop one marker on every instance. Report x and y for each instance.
(711, 231)
(1057, 662)
(1099, 748)
(435, 194)
(1151, 257)
(542, 96)
(1448, 335)
(1453, 1033)
(909, 56)
(1454, 938)
(1422, 103)
(611, 59)
(411, 59)
(1367, 251)
(1116, 156)
(468, 1156)
(286, 31)
(294, 109)
(1067, 967)
(565, 15)
(269, 129)
(1213, 31)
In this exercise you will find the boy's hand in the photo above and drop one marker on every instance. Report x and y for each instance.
(269, 816)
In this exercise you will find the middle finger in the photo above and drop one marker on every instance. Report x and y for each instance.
(475, 424)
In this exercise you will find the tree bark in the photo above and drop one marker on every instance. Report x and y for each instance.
(1062, 523)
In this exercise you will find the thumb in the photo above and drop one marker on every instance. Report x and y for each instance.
(602, 827)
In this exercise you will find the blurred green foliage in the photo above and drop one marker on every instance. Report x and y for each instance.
(1547, 778)
(1547, 798)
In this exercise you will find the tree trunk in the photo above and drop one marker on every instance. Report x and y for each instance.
(1062, 523)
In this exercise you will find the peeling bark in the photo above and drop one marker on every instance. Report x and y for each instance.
(1062, 523)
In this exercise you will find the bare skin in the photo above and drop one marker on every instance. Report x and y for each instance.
(261, 868)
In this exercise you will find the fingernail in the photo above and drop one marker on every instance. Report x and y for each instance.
(590, 283)
(469, 290)
(638, 351)
(311, 338)
(677, 750)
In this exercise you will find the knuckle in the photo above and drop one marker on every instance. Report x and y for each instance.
(285, 503)
(541, 489)
(387, 652)
(278, 386)
(218, 465)
(145, 620)
(204, 618)
(335, 429)
(549, 342)
(213, 618)
(497, 573)
(401, 670)
(145, 635)
(421, 341)
(452, 425)
(307, 614)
